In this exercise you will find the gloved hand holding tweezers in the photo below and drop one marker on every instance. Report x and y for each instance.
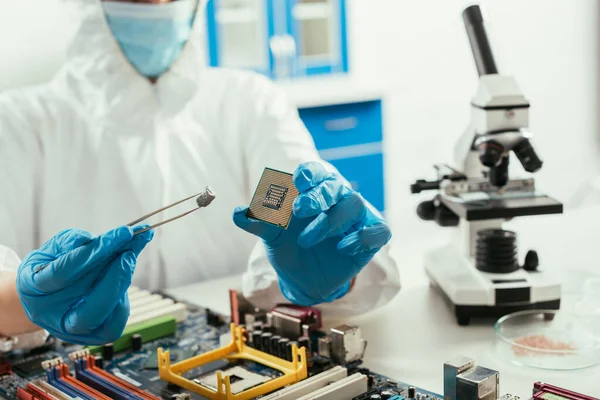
(75, 285)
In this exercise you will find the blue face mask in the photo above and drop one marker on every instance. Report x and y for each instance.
(152, 36)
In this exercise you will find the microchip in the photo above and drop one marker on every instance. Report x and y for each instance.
(29, 368)
(273, 199)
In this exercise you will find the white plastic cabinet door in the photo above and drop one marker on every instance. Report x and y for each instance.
(239, 33)
(319, 29)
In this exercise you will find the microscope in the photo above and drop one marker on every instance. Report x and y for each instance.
(479, 273)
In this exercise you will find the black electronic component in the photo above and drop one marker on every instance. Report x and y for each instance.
(30, 367)
(497, 251)
(265, 341)
(274, 345)
(255, 340)
(268, 328)
(289, 349)
(282, 349)
(99, 362)
(214, 319)
(412, 392)
(108, 351)
(136, 342)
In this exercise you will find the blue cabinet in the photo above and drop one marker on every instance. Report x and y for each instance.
(350, 137)
(278, 38)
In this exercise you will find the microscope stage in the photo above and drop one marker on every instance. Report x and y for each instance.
(506, 208)
(475, 294)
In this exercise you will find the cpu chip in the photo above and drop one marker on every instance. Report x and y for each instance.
(273, 199)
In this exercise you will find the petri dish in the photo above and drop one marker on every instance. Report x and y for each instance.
(548, 339)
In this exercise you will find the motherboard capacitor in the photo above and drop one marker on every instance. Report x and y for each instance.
(273, 345)
(283, 351)
(255, 339)
(265, 341)
(108, 351)
(412, 392)
(136, 342)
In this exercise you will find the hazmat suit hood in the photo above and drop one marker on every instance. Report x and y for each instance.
(108, 86)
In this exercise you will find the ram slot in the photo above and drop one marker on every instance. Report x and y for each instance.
(179, 311)
(49, 389)
(54, 379)
(309, 385)
(91, 364)
(137, 294)
(143, 300)
(347, 388)
(93, 393)
(23, 394)
(150, 306)
(39, 392)
(103, 383)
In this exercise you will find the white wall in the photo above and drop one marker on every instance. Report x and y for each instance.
(549, 45)
(33, 38)
(419, 47)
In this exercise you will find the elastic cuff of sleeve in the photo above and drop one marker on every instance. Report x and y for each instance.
(301, 299)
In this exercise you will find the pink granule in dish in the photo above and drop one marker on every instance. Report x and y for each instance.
(542, 342)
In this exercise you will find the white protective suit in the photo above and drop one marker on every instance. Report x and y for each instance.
(100, 146)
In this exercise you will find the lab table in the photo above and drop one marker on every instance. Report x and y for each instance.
(410, 338)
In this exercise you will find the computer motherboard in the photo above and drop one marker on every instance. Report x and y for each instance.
(177, 351)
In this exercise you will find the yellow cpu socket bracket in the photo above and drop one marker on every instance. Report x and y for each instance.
(273, 200)
(293, 371)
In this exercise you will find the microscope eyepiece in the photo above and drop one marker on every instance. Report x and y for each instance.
(490, 153)
(527, 156)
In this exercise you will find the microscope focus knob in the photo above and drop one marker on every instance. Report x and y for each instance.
(532, 261)
(426, 210)
(435, 210)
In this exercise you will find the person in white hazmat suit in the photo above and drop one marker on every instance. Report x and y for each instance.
(134, 121)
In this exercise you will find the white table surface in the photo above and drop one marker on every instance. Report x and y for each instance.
(411, 338)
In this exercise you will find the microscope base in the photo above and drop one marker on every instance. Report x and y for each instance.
(475, 294)
(465, 313)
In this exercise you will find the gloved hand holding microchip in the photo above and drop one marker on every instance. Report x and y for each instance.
(331, 237)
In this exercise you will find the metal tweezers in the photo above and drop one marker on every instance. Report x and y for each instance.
(203, 199)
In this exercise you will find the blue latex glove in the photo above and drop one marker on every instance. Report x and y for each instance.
(332, 236)
(75, 285)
